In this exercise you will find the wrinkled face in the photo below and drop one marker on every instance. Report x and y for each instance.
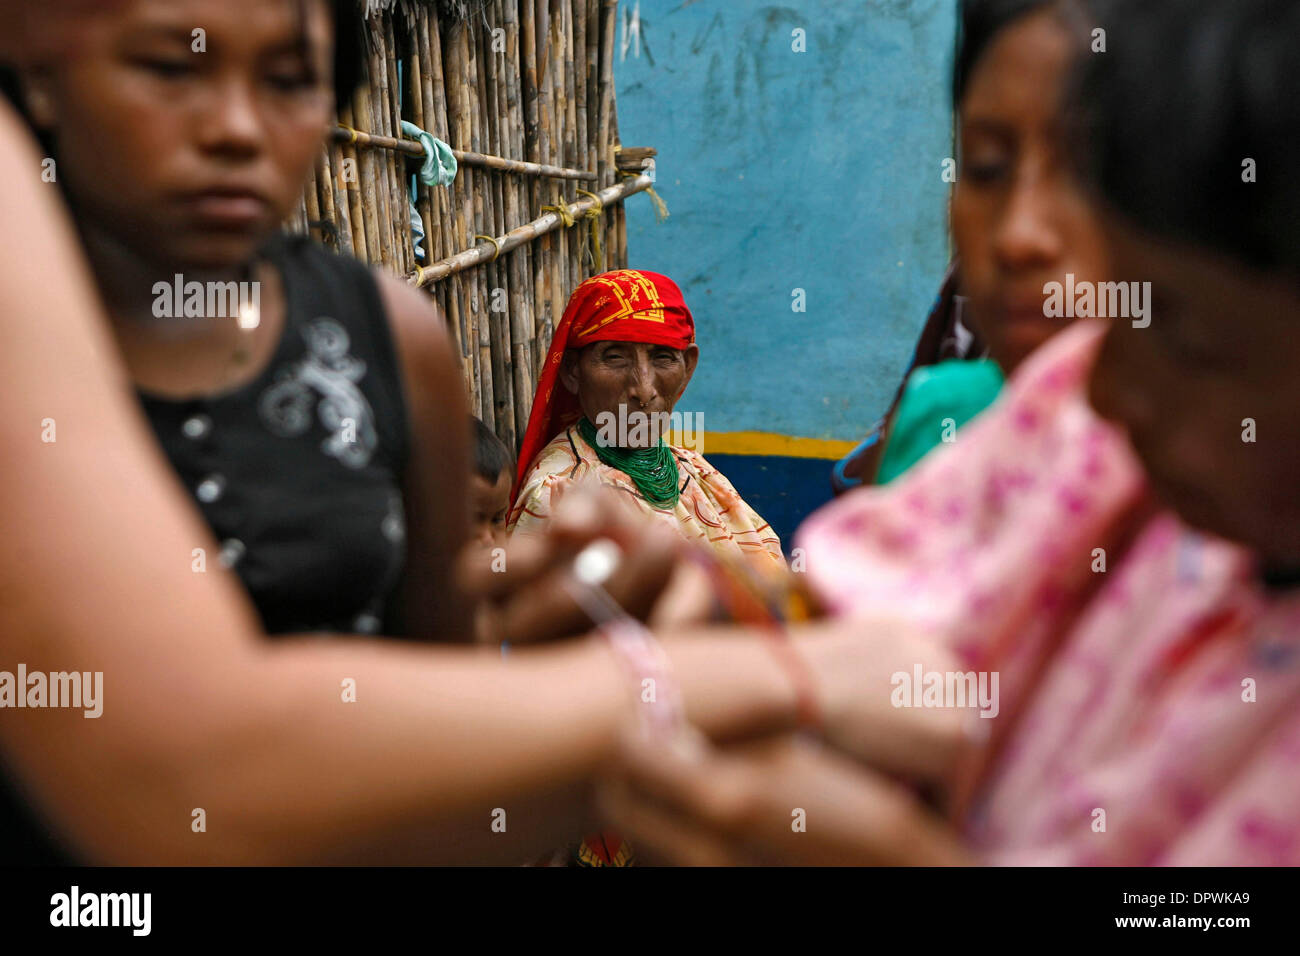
(1208, 393)
(636, 375)
(491, 507)
(1019, 220)
(189, 147)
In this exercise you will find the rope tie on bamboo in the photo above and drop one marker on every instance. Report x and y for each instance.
(352, 134)
(661, 207)
(592, 216)
(562, 211)
(496, 245)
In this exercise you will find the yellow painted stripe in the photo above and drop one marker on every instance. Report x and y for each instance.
(766, 443)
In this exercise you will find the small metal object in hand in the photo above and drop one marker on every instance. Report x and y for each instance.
(661, 711)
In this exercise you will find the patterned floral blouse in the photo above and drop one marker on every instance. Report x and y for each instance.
(1149, 682)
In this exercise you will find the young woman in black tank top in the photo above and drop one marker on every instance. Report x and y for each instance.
(305, 425)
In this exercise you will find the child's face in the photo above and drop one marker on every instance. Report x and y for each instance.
(491, 504)
(190, 147)
(1215, 369)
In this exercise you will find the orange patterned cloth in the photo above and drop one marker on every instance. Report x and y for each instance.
(709, 509)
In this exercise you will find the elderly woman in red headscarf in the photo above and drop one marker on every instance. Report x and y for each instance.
(619, 362)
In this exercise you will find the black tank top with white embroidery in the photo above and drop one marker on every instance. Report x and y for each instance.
(298, 472)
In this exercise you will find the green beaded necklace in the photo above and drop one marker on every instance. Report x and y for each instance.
(652, 470)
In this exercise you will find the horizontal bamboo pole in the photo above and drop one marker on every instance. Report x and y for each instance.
(484, 161)
(526, 233)
(481, 160)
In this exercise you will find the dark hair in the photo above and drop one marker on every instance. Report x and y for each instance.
(1187, 92)
(491, 456)
(982, 20)
(977, 27)
(349, 55)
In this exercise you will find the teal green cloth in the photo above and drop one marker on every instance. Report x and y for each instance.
(937, 400)
(439, 167)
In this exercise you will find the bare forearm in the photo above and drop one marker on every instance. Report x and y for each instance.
(444, 755)
(732, 684)
(350, 752)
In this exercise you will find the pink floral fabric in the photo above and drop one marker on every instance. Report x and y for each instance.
(1149, 686)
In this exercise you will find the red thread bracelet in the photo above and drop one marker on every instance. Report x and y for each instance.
(808, 711)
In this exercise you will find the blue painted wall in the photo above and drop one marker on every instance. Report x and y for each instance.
(783, 490)
(817, 170)
(783, 170)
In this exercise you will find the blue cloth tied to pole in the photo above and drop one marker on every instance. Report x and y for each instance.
(439, 169)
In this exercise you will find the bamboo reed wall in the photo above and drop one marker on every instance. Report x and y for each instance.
(523, 90)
